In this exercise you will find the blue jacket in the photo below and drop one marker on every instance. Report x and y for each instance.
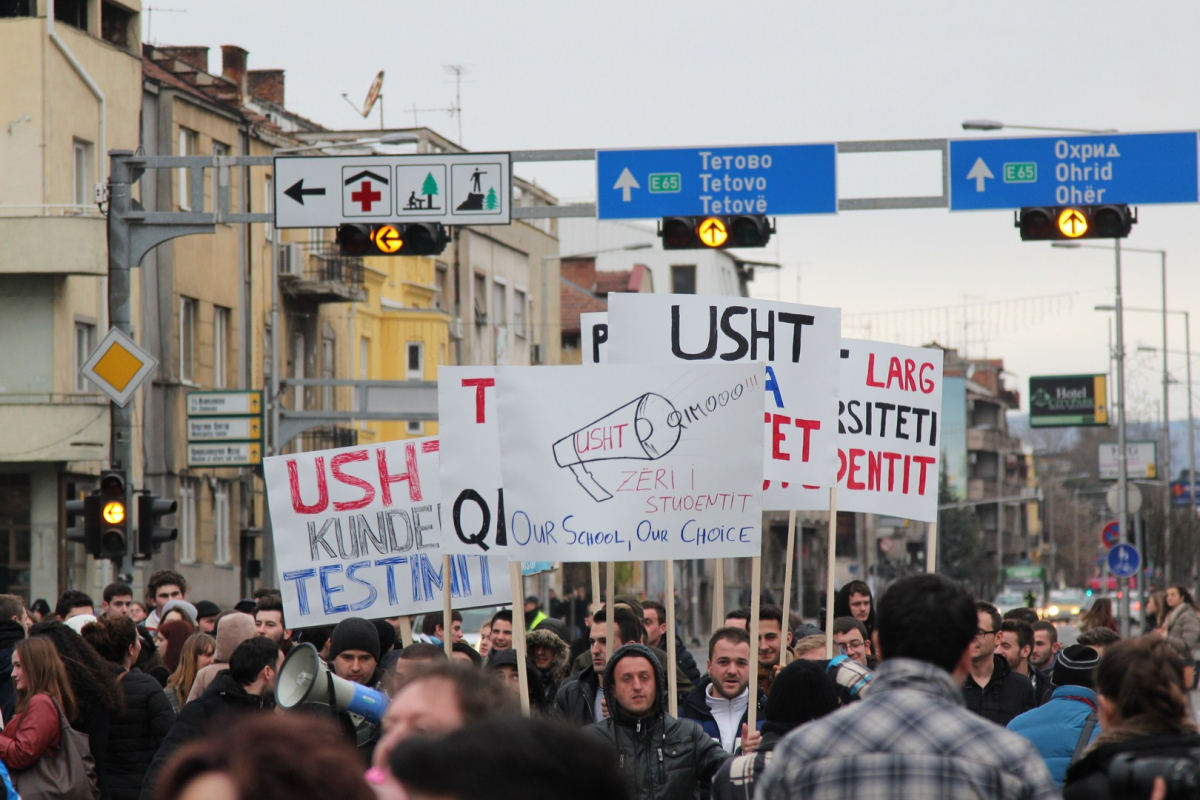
(1055, 727)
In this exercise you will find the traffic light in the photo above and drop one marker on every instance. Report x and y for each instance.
(151, 537)
(415, 239)
(84, 514)
(1068, 223)
(712, 232)
(114, 514)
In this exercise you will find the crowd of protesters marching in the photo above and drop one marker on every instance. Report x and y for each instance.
(929, 694)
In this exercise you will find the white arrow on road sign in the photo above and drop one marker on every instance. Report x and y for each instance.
(979, 173)
(625, 183)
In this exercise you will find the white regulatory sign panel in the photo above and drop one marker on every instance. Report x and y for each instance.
(454, 189)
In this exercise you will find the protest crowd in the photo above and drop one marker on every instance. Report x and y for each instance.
(930, 694)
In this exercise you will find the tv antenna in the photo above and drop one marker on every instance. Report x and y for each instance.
(150, 18)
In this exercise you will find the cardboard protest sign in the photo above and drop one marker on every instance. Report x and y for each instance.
(889, 421)
(593, 337)
(356, 534)
(472, 494)
(799, 345)
(631, 463)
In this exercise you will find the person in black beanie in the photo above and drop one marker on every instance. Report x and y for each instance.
(354, 656)
(802, 692)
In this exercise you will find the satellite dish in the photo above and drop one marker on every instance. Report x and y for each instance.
(373, 94)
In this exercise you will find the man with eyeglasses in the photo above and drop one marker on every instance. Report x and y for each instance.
(992, 689)
(850, 636)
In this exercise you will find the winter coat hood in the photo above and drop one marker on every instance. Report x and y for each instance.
(561, 664)
(232, 630)
(615, 711)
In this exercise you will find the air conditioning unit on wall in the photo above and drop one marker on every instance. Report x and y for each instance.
(456, 328)
(291, 260)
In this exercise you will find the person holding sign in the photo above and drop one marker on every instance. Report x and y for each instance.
(580, 699)
(663, 758)
(721, 702)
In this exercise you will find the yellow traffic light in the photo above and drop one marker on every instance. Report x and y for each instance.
(114, 512)
(387, 239)
(1071, 223)
(712, 231)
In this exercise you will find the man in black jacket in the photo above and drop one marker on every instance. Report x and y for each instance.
(247, 686)
(992, 689)
(655, 620)
(663, 758)
(578, 699)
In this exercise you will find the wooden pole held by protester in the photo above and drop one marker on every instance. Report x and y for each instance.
(406, 637)
(610, 612)
(831, 571)
(718, 621)
(517, 581)
(755, 603)
(789, 561)
(672, 676)
(931, 549)
(447, 624)
(595, 585)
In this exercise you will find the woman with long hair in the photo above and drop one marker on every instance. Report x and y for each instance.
(1100, 615)
(98, 697)
(1143, 711)
(197, 654)
(1156, 610)
(1181, 628)
(42, 688)
(138, 731)
(169, 639)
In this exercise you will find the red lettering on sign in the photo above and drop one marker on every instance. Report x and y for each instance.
(412, 476)
(335, 466)
(294, 485)
(480, 385)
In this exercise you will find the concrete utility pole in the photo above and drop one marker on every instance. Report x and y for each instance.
(120, 315)
(1122, 455)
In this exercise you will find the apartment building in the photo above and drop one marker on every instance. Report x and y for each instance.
(72, 92)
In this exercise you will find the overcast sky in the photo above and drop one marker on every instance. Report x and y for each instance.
(658, 74)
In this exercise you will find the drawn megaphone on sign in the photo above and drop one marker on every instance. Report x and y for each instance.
(638, 430)
(304, 678)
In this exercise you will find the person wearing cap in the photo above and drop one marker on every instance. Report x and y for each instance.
(233, 628)
(504, 668)
(802, 692)
(1062, 728)
(533, 612)
(206, 616)
(353, 656)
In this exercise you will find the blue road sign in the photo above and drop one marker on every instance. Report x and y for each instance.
(1133, 168)
(1111, 534)
(767, 179)
(1124, 560)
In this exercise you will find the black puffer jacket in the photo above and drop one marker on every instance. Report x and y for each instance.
(1087, 779)
(11, 632)
(136, 735)
(1007, 694)
(664, 758)
(575, 700)
(224, 698)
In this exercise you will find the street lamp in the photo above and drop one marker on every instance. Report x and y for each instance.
(545, 288)
(993, 125)
(1162, 254)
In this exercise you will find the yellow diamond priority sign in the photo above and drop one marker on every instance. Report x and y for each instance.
(118, 366)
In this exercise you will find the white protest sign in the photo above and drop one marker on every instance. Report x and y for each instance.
(632, 463)
(472, 495)
(593, 337)
(357, 535)
(889, 422)
(798, 343)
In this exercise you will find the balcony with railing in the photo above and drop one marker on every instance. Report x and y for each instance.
(319, 273)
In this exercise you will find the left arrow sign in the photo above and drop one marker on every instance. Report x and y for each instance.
(297, 191)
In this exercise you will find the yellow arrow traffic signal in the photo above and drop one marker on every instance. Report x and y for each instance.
(1071, 223)
(712, 231)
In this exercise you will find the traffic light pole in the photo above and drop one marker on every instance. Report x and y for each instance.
(120, 313)
(1122, 455)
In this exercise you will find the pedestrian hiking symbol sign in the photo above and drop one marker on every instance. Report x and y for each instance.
(1124, 560)
(451, 188)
